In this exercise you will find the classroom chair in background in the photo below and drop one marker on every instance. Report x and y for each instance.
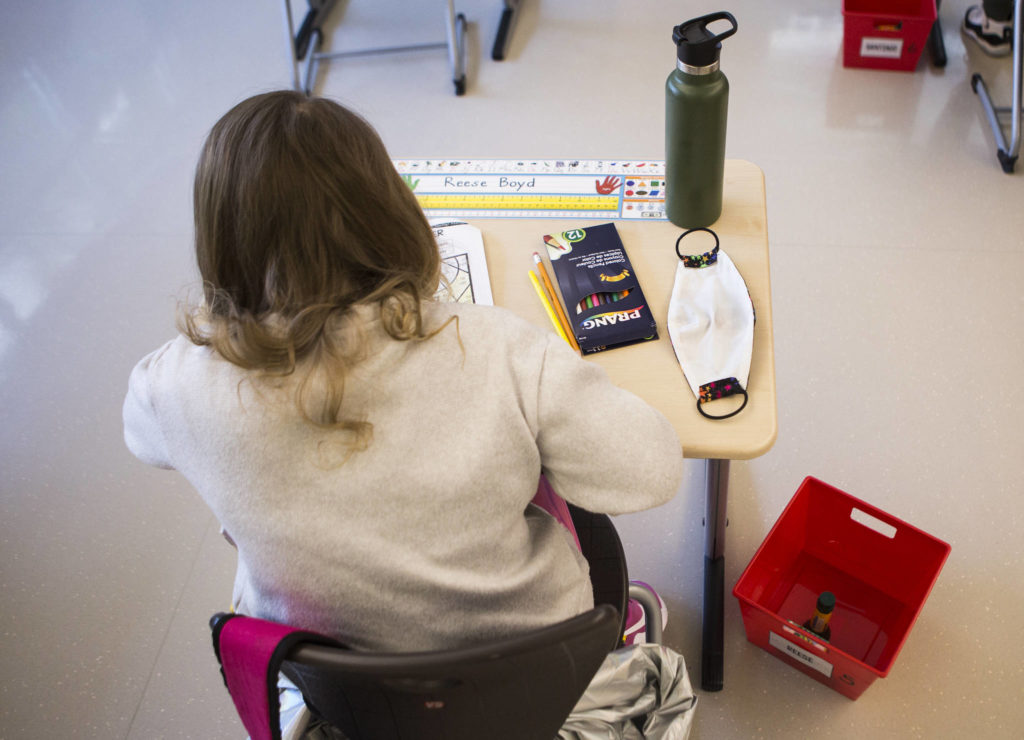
(1007, 152)
(306, 42)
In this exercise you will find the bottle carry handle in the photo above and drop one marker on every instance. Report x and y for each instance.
(702, 25)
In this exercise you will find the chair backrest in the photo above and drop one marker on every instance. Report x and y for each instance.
(598, 540)
(250, 652)
(518, 688)
(600, 544)
(515, 689)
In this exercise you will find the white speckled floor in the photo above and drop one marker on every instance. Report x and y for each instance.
(897, 249)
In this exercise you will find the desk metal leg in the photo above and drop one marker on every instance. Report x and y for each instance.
(712, 644)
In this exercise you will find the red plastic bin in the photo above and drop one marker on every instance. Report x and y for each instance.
(880, 569)
(886, 34)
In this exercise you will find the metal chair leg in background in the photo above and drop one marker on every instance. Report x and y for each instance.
(305, 45)
(457, 48)
(508, 20)
(936, 45)
(1006, 153)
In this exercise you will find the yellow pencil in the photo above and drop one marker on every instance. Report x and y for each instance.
(566, 326)
(547, 305)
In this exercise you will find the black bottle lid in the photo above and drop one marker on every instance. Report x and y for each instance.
(826, 602)
(698, 47)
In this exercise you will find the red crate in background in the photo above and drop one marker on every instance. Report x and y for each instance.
(880, 569)
(886, 34)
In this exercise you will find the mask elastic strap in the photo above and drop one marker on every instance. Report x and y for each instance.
(698, 260)
(721, 389)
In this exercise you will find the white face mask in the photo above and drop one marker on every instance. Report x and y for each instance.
(711, 325)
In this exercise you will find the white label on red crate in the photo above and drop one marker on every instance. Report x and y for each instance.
(813, 661)
(881, 48)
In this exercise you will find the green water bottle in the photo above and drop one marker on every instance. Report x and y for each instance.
(696, 105)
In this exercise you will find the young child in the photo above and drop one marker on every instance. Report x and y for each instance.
(371, 452)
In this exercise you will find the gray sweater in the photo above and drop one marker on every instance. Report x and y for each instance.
(426, 539)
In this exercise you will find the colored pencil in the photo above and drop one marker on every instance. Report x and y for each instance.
(547, 306)
(562, 318)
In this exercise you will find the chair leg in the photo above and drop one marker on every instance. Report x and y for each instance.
(505, 25)
(305, 45)
(315, 16)
(289, 28)
(936, 45)
(652, 611)
(457, 48)
(1006, 153)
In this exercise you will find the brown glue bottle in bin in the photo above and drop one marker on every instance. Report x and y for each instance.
(819, 623)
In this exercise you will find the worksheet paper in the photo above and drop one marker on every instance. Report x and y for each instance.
(463, 263)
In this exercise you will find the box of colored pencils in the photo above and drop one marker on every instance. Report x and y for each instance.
(600, 290)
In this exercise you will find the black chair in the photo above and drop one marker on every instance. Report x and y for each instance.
(601, 546)
(516, 689)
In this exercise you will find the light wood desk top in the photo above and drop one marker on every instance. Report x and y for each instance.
(650, 369)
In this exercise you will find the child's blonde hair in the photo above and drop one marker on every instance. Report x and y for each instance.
(299, 215)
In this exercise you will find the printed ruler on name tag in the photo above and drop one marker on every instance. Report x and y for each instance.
(505, 203)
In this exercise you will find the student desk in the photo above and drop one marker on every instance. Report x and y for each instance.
(651, 371)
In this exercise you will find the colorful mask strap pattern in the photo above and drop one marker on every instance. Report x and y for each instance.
(701, 260)
(698, 260)
(720, 389)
